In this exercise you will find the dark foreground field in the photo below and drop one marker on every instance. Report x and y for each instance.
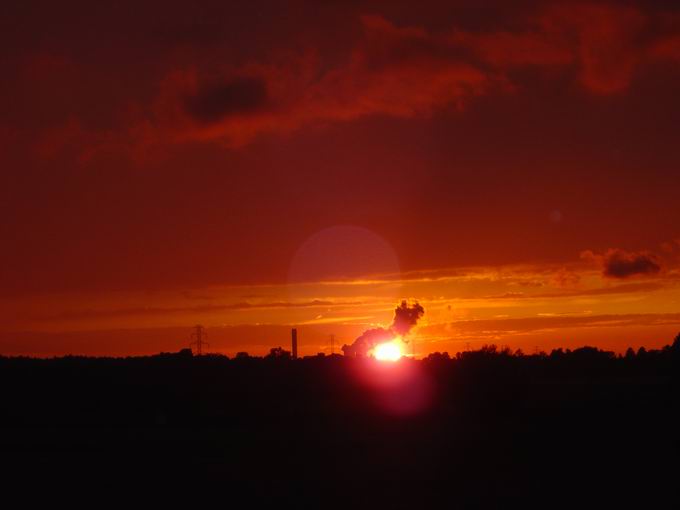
(486, 430)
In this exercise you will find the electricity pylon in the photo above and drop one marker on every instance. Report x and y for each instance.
(199, 336)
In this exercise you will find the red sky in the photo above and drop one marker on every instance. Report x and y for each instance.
(514, 167)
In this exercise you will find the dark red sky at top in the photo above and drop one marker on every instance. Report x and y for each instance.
(172, 146)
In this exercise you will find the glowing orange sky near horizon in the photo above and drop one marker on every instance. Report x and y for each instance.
(519, 307)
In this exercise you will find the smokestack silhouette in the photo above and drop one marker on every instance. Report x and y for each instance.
(405, 318)
(294, 340)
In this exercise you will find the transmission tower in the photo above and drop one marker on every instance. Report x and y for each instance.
(199, 335)
(332, 344)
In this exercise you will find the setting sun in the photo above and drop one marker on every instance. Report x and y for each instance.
(389, 351)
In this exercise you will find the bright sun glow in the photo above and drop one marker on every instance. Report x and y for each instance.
(389, 351)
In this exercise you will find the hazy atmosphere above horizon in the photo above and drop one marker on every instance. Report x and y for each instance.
(257, 166)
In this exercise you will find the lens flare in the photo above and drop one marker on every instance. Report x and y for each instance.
(388, 351)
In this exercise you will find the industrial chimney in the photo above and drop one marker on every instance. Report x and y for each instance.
(294, 339)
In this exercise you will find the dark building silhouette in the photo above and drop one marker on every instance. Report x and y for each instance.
(294, 341)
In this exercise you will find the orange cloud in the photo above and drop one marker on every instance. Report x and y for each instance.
(566, 278)
(392, 70)
(400, 72)
(407, 72)
(528, 324)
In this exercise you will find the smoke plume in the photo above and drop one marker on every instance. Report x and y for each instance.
(405, 318)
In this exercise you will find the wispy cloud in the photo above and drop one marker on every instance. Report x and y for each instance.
(195, 310)
(394, 70)
(503, 326)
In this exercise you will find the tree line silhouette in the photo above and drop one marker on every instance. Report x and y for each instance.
(500, 427)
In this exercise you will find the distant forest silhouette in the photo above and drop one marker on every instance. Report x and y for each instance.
(581, 357)
(489, 427)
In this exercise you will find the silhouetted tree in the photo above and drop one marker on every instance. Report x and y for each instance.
(438, 356)
(557, 353)
(278, 353)
(185, 353)
(489, 349)
(675, 350)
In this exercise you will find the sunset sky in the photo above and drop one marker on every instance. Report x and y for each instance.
(254, 166)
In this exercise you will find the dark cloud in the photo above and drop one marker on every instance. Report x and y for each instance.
(622, 264)
(213, 102)
(406, 317)
(618, 263)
